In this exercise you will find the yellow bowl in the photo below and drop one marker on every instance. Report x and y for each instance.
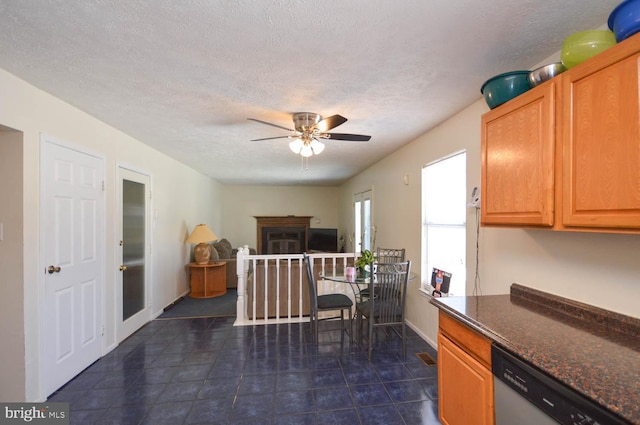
(580, 46)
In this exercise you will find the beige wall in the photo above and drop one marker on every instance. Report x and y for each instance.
(11, 264)
(242, 203)
(181, 197)
(599, 269)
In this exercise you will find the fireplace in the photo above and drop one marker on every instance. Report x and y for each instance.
(282, 235)
(283, 240)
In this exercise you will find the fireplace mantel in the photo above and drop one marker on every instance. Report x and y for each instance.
(290, 221)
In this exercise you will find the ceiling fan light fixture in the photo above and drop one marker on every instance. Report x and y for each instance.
(317, 146)
(296, 146)
(306, 151)
(309, 128)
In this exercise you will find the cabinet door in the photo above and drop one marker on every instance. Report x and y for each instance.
(601, 145)
(465, 387)
(518, 140)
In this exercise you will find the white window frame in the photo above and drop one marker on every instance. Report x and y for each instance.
(457, 224)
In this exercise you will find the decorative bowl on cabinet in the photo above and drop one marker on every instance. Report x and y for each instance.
(624, 20)
(504, 87)
(580, 46)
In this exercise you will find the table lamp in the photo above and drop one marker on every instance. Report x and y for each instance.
(202, 235)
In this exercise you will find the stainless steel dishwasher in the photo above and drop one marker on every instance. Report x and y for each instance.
(526, 396)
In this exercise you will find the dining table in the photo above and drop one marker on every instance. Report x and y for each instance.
(356, 283)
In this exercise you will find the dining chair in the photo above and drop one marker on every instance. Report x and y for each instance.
(384, 255)
(386, 308)
(389, 255)
(326, 302)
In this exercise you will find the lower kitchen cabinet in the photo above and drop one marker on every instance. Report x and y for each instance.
(465, 382)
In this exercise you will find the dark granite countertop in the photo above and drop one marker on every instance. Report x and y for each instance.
(593, 351)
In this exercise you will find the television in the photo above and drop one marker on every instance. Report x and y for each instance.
(325, 240)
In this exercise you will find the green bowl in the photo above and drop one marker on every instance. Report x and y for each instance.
(580, 46)
(504, 87)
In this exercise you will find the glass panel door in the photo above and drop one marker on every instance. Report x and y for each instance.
(134, 288)
(133, 248)
(362, 221)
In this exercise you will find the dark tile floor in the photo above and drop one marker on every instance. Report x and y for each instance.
(205, 371)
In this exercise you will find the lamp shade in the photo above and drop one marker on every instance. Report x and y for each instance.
(317, 146)
(201, 235)
(296, 145)
(306, 151)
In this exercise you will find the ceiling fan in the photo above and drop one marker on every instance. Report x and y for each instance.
(308, 129)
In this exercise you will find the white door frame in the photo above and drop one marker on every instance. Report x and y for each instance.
(124, 330)
(365, 241)
(42, 378)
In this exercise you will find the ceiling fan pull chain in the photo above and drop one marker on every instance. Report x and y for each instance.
(304, 164)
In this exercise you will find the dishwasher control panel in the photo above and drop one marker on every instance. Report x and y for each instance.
(556, 399)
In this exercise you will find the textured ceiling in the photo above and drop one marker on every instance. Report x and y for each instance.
(184, 76)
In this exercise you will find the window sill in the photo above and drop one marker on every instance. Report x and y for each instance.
(425, 293)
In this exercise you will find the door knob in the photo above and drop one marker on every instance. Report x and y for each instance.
(53, 269)
(123, 268)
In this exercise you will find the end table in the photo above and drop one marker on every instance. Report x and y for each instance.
(208, 280)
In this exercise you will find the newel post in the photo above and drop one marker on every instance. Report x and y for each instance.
(241, 270)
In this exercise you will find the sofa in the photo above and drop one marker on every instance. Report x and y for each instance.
(223, 252)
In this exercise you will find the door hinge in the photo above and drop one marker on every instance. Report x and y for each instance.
(102, 330)
(103, 185)
(150, 195)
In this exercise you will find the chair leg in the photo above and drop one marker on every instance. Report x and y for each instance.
(350, 327)
(404, 342)
(313, 332)
(370, 336)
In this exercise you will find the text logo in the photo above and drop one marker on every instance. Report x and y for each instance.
(34, 413)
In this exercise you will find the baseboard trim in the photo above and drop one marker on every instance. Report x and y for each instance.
(433, 344)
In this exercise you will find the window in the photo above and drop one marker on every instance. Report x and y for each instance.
(444, 216)
(362, 220)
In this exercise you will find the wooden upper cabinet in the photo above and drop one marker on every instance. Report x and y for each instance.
(518, 141)
(601, 142)
(566, 154)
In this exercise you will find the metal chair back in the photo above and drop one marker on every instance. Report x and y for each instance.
(389, 255)
(385, 307)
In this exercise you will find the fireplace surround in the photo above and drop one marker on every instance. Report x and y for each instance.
(282, 234)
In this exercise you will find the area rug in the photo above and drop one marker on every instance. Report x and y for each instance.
(224, 306)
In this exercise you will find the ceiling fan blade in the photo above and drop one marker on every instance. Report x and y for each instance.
(270, 138)
(345, 136)
(271, 124)
(331, 122)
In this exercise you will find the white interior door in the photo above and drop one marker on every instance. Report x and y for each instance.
(134, 298)
(73, 240)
